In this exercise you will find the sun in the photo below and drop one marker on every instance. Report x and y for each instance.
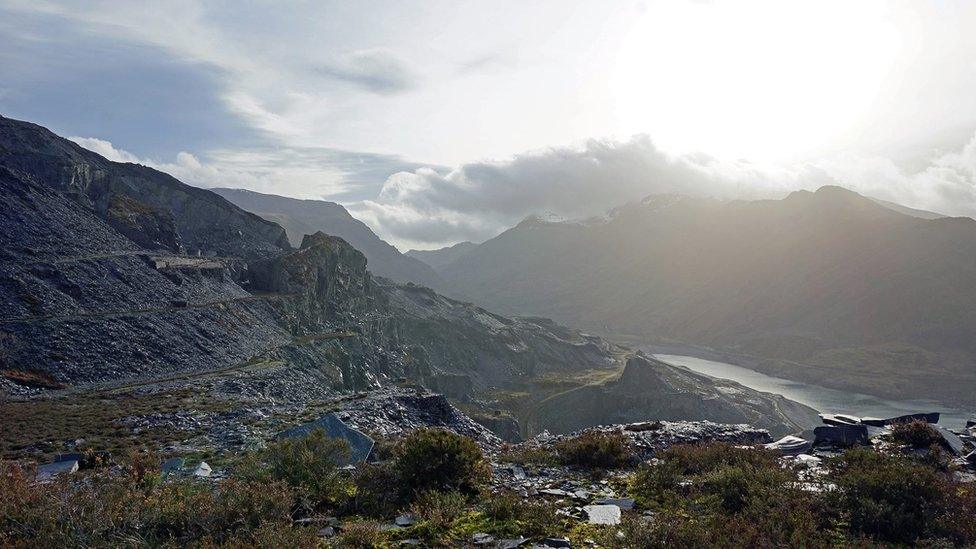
(757, 80)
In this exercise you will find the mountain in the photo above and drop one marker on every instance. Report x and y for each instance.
(921, 214)
(442, 256)
(302, 217)
(826, 287)
(118, 277)
(148, 206)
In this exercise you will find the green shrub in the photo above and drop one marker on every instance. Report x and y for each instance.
(696, 459)
(435, 459)
(106, 510)
(890, 498)
(596, 450)
(735, 487)
(917, 434)
(377, 492)
(307, 464)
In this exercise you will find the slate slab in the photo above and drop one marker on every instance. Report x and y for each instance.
(360, 445)
(51, 470)
(928, 417)
(603, 514)
(172, 466)
(843, 435)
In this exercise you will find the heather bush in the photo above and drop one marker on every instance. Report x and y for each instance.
(890, 498)
(101, 509)
(377, 490)
(917, 434)
(694, 459)
(436, 459)
(596, 450)
(308, 464)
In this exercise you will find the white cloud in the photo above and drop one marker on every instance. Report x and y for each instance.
(426, 208)
(106, 149)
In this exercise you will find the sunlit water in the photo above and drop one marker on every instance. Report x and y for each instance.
(820, 398)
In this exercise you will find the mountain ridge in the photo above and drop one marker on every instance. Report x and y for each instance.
(807, 284)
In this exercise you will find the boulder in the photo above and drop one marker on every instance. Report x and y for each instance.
(839, 419)
(790, 445)
(51, 470)
(202, 470)
(841, 435)
(603, 514)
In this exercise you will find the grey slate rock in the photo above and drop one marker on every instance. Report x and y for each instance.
(51, 470)
(843, 435)
(406, 519)
(360, 445)
(603, 514)
(952, 440)
(928, 417)
(172, 466)
(839, 419)
(512, 543)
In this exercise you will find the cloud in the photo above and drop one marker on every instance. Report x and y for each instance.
(477, 200)
(106, 149)
(376, 70)
(309, 172)
(427, 208)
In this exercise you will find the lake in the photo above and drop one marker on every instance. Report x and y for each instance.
(820, 398)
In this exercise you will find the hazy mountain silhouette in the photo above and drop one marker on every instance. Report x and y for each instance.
(827, 286)
(302, 217)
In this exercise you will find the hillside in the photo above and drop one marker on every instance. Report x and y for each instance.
(100, 284)
(827, 287)
(302, 217)
(441, 257)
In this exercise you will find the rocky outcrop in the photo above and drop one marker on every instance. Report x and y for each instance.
(305, 217)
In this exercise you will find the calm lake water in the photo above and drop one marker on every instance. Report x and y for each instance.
(820, 398)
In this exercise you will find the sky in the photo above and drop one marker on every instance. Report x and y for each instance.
(441, 121)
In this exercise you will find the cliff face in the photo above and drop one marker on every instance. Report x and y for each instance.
(150, 207)
(81, 302)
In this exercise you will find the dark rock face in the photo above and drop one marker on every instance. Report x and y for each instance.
(86, 304)
(152, 208)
